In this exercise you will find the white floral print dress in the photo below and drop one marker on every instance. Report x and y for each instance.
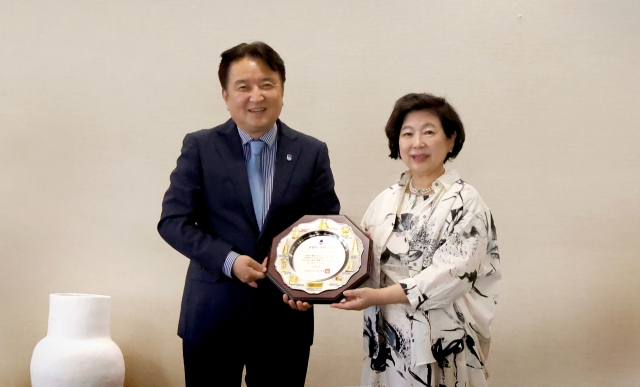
(442, 250)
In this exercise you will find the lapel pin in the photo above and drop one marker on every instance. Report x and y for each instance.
(289, 157)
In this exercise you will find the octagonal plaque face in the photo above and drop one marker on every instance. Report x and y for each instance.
(319, 257)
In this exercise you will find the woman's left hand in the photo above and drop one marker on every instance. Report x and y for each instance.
(357, 299)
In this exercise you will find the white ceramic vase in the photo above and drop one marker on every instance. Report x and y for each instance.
(78, 350)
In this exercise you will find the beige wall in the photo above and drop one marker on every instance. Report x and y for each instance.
(96, 96)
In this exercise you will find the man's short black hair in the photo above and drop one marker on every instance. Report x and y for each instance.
(256, 50)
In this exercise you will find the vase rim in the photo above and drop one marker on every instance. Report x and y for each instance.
(80, 295)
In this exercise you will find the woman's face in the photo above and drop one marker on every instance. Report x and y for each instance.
(423, 143)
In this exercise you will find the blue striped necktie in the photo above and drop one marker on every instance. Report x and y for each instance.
(256, 182)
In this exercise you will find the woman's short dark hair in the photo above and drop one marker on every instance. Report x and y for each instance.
(256, 50)
(438, 106)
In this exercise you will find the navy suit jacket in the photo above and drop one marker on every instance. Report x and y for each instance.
(207, 211)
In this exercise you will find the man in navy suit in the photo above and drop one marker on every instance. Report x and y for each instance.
(235, 187)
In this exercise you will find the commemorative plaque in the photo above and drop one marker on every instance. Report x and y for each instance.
(319, 257)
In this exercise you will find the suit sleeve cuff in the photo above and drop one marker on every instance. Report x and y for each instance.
(228, 263)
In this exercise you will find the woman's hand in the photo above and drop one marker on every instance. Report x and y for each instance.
(362, 298)
(357, 299)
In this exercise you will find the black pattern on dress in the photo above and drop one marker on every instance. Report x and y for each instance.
(442, 250)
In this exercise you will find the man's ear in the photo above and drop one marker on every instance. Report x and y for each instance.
(225, 97)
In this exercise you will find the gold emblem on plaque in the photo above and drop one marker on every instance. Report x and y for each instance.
(323, 225)
(295, 232)
(285, 249)
(293, 280)
(350, 266)
(314, 285)
(354, 249)
(345, 231)
(338, 279)
(283, 264)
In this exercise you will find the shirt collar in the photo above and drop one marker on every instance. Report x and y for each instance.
(269, 137)
(445, 181)
(448, 178)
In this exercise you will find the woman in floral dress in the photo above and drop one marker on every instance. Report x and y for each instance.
(435, 287)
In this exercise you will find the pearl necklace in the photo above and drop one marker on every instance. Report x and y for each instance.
(420, 192)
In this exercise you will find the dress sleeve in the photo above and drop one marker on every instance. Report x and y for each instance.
(368, 224)
(366, 218)
(454, 265)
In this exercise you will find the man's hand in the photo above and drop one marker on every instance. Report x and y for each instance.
(299, 305)
(249, 271)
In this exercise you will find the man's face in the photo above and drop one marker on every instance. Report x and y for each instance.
(253, 96)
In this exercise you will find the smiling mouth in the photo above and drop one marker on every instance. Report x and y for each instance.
(419, 157)
(257, 110)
